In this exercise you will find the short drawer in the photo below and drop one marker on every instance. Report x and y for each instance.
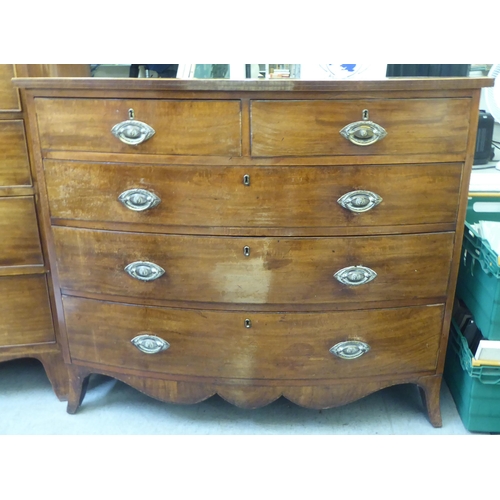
(308, 197)
(278, 345)
(25, 316)
(20, 240)
(14, 164)
(181, 127)
(254, 270)
(312, 128)
(9, 96)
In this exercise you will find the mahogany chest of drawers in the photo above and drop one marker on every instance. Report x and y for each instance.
(254, 239)
(26, 324)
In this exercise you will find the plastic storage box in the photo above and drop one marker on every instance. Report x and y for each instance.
(475, 389)
(479, 276)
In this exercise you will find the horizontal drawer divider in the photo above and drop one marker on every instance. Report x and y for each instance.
(13, 191)
(22, 270)
(235, 307)
(312, 161)
(255, 232)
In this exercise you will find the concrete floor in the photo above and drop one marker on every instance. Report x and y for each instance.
(28, 406)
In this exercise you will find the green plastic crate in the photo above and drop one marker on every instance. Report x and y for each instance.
(475, 389)
(478, 282)
(476, 208)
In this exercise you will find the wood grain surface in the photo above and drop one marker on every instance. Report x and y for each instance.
(278, 270)
(14, 163)
(305, 128)
(182, 127)
(9, 95)
(298, 197)
(24, 311)
(277, 346)
(20, 241)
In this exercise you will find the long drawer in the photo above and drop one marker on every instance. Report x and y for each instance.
(311, 128)
(25, 316)
(14, 165)
(268, 197)
(181, 127)
(254, 270)
(20, 240)
(281, 346)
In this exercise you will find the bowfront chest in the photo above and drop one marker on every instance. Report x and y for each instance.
(254, 239)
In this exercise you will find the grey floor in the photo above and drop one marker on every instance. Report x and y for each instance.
(29, 407)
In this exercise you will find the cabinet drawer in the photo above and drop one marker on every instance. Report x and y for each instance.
(20, 241)
(25, 316)
(300, 197)
(276, 271)
(281, 346)
(9, 97)
(186, 127)
(310, 128)
(14, 164)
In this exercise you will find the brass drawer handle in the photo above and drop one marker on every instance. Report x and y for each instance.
(359, 201)
(350, 349)
(131, 131)
(144, 271)
(150, 344)
(363, 133)
(139, 200)
(355, 275)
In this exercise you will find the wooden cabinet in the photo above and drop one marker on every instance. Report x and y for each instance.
(254, 239)
(26, 322)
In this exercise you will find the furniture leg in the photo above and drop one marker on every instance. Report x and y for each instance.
(57, 373)
(78, 382)
(430, 389)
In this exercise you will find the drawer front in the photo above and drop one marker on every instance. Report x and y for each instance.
(281, 346)
(9, 97)
(310, 128)
(181, 127)
(25, 316)
(217, 196)
(14, 164)
(276, 271)
(20, 241)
